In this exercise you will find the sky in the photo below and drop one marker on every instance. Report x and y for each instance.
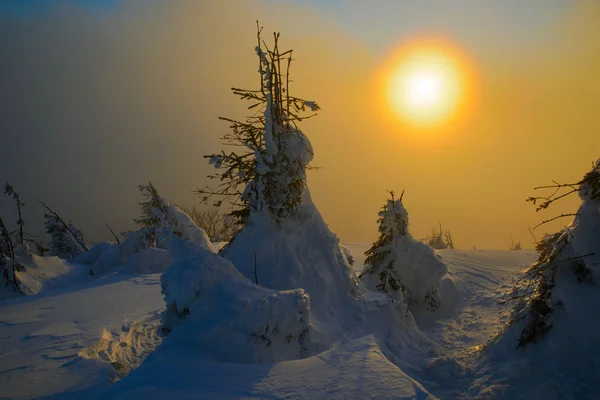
(99, 96)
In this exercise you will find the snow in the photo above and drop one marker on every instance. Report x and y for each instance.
(402, 267)
(302, 252)
(79, 334)
(355, 370)
(215, 310)
(42, 336)
(565, 299)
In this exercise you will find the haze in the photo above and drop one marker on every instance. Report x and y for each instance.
(99, 96)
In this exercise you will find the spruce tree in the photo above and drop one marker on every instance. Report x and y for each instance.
(65, 239)
(153, 212)
(570, 251)
(23, 238)
(400, 266)
(393, 222)
(270, 173)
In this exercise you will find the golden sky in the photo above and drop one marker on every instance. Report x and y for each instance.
(104, 99)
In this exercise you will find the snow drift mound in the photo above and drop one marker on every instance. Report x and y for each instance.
(355, 370)
(146, 250)
(552, 337)
(301, 252)
(213, 309)
(33, 273)
(401, 266)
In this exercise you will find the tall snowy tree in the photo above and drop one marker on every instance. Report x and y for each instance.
(397, 264)
(153, 213)
(270, 173)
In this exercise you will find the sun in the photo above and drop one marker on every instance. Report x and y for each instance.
(427, 84)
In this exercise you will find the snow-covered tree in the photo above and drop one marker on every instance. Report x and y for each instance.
(152, 216)
(9, 284)
(399, 265)
(270, 173)
(570, 255)
(23, 238)
(159, 219)
(65, 239)
(283, 242)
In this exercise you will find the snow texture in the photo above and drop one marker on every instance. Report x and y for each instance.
(213, 309)
(76, 337)
(568, 348)
(302, 252)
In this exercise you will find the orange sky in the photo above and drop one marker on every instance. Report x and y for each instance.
(134, 93)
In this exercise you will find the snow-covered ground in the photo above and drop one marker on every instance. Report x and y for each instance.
(80, 334)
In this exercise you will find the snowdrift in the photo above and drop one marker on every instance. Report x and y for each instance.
(302, 252)
(554, 325)
(138, 253)
(355, 370)
(34, 273)
(402, 267)
(215, 310)
(420, 269)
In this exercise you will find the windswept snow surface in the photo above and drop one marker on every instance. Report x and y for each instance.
(45, 338)
(80, 333)
(355, 370)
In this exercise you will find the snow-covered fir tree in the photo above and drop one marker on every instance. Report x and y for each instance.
(566, 259)
(152, 216)
(397, 264)
(283, 243)
(271, 173)
(66, 240)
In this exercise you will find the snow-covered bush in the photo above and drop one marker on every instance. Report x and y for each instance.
(213, 309)
(567, 262)
(146, 250)
(399, 265)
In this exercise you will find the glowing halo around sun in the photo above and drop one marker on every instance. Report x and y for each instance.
(426, 84)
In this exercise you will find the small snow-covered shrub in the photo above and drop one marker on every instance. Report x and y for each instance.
(146, 250)
(213, 308)
(399, 265)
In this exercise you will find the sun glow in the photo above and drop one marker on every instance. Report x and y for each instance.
(426, 84)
